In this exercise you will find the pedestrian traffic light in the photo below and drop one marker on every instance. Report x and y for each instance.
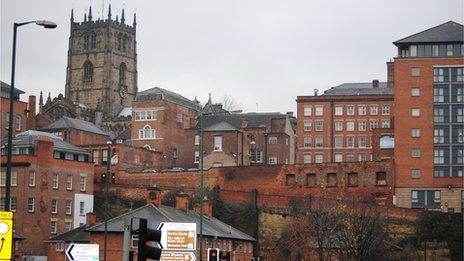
(145, 251)
(213, 254)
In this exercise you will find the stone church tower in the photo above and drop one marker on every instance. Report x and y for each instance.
(102, 63)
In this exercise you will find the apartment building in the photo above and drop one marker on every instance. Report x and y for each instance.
(51, 188)
(429, 119)
(338, 125)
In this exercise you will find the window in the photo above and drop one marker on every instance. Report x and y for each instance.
(290, 180)
(439, 94)
(68, 207)
(256, 156)
(307, 158)
(373, 124)
(386, 124)
(53, 226)
(458, 155)
(55, 181)
(415, 133)
(415, 91)
(135, 241)
(350, 125)
(362, 141)
(350, 141)
(440, 115)
(319, 125)
(362, 157)
(18, 122)
(352, 179)
(145, 115)
(374, 109)
(31, 178)
(438, 135)
(415, 72)
(338, 125)
(88, 72)
(272, 140)
(2, 179)
(307, 126)
(457, 74)
(439, 156)
(332, 180)
(338, 157)
(272, 160)
(386, 110)
(95, 155)
(147, 133)
(319, 142)
(415, 112)
(307, 142)
(381, 178)
(440, 74)
(105, 156)
(217, 143)
(361, 125)
(350, 110)
(435, 50)
(69, 181)
(82, 183)
(179, 118)
(54, 206)
(59, 247)
(350, 157)
(426, 199)
(30, 205)
(7, 119)
(197, 157)
(14, 179)
(93, 41)
(458, 93)
(319, 110)
(449, 50)
(338, 110)
(122, 74)
(458, 113)
(338, 141)
(415, 173)
(82, 208)
(361, 110)
(413, 50)
(308, 111)
(415, 153)
(13, 203)
(319, 158)
(86, 42)
(67, 226)
(197, 140)
(311, 180)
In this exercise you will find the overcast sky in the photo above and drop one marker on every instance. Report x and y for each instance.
(261, 52)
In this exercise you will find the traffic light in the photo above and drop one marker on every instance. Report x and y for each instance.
(145, 251)
(213, 254)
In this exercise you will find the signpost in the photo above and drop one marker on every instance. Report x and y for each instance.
(6, 235)
(82, 252)
(179, 241)
(177, 256)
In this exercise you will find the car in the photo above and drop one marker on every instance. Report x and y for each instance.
(177, 169)
(149, 171)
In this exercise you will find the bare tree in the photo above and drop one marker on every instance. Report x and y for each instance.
(229, 103)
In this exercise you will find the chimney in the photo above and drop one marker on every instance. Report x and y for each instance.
(182, 201)
(390, 74)
(207, 207)
(90, 219)
(315, 92)
(30, 124)
(154, 196)
(244, 122)
(375, 84)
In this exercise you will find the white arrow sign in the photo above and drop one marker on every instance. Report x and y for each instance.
(177, 256)
(178, 236)
(82, 252)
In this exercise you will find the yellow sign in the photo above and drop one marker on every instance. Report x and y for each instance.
(6, 235)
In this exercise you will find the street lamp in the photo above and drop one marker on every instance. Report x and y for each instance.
(45, 24)
(107, 182)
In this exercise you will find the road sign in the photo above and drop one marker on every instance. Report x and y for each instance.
(6, 235)
(177, 256)
(82, 252)
(178, 236)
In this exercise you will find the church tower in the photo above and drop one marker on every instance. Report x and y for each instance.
(102, 63)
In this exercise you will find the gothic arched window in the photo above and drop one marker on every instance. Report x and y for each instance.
(86, 42)
(88, 71)
(93, 41)
(124, 43)
(147, 133)
(120, 42)
(122, 74)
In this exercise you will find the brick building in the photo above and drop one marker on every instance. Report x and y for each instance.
(160, 120)
(244, 139)
(429, 118)
(24, 113)
(52, 188)
(338, 125)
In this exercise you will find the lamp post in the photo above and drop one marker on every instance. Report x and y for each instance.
(202, 141)
(107, 182)
(45, 24)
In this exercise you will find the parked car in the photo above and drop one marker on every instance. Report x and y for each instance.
(149, 171)
(177, 169)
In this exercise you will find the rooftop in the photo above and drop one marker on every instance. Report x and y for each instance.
(449, 32)
(5, 90)
(234, 121)
(77, 235)
(158, 93)
(360, 88)
(66, 122)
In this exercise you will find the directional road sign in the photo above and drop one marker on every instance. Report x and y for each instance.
(6, 234)
(82, 252)
(177, 256)
(178, 236)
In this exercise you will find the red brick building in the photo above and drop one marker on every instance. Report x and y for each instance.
(338, 125)
(429, 118)
(160, 120)
(52, 188)
(24, 114)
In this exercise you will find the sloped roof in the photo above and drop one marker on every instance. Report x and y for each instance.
(5, 88)
(211, 226)
(360, 88)
(255, 120)
(66, 122)
(444, 33)
(77, 235)
(125, 112)
(158, 93)
(28, 139)
(221, 126)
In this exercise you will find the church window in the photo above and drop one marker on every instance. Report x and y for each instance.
(88, 72)
(93, 41)
(120, 42)
(122, 74)
(86, 42)
(124, 43)
(146, 133)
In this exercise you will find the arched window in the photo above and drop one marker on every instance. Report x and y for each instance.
(124, 43)
(147, 133)
(120, 42)
(93, 41)
(86, 42)
(88, 71)
(122, 74)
